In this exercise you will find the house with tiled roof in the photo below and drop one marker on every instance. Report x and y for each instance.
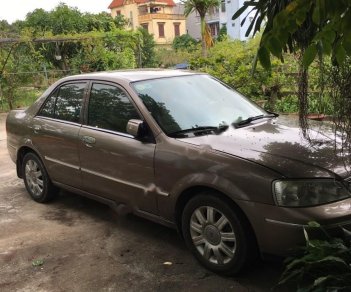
(158, 17)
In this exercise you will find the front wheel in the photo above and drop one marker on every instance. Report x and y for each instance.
(36, 179)
(218, 236)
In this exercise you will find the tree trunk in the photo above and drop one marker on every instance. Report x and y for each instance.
(203, 37)
(10, 99)
(303, 95)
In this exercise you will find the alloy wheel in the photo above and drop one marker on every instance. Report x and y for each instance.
(34, 178)
(213, 235)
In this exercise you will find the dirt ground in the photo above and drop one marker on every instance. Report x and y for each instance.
(76, 244)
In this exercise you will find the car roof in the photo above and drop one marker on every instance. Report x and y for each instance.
(132, 75)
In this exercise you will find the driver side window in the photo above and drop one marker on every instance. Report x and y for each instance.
(110, 108)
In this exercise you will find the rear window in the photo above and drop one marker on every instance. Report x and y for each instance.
(65, 103)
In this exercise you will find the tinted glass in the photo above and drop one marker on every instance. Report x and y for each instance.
(110, 108)
(49, 106)
(187, 102)
(69, 102)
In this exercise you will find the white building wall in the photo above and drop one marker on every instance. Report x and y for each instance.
(247, 23)
(234, 30)
(192, 21)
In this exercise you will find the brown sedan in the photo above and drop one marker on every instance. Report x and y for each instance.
(184, 150)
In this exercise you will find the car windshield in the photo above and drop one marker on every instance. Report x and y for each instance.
(194, 102)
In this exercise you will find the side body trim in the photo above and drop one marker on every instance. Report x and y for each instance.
(135, 185)
(62, 163)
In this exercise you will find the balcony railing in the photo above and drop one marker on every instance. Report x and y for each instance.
(163, 16)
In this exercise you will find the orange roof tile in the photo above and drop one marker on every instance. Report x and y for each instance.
(115, 3)
(118, 3)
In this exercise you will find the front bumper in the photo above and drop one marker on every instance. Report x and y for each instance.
(279, 230)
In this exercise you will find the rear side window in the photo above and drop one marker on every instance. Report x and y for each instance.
(66, 103)
(48, 110)
(110, 108)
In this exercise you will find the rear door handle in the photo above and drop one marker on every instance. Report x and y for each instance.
(88, 140)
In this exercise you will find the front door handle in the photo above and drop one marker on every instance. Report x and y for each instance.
(36, 128)
(88, 140)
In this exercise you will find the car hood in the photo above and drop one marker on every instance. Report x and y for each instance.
(279, 144)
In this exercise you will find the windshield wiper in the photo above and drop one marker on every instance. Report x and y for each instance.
(250, 119)
(199, 130)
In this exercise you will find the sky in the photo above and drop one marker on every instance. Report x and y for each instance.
(12, 10)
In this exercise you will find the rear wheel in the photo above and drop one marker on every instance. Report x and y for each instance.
(218, 236)
(36, 179)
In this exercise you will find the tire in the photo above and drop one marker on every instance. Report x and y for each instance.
(36, 179)
(218, 234)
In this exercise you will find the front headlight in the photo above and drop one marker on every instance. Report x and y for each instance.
(303, 193)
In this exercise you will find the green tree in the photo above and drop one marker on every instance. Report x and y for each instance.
(4, 28)
(121, 21)
(103, 22)
(13, 61)
(145, 52)
(39, 21)
(67, 22)
(222, 33)
(327, 24)
(296, 36)
(74, 41)
(202, 7)
(99, 55)
(184, 42)
(235, 70)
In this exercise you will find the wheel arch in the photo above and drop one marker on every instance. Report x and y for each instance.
(22, 151)
(189, 193)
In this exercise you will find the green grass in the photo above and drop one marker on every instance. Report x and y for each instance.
(24, 97)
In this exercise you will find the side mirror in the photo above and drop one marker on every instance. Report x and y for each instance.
(135, 128)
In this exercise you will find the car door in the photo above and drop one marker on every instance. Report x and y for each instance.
(114, 164)
(55, 132)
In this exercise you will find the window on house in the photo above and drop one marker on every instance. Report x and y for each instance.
(223, 6)
(176, 29)
(155, 9)
(161, 29)
(214, 27)
(131, 18)
(118, 12)
(145, 26)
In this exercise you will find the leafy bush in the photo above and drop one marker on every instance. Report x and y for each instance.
(184, 42)
(231, 61)
(287, 104)
(222, 36)
(323, 264)
(167, 58)
(145, 53)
